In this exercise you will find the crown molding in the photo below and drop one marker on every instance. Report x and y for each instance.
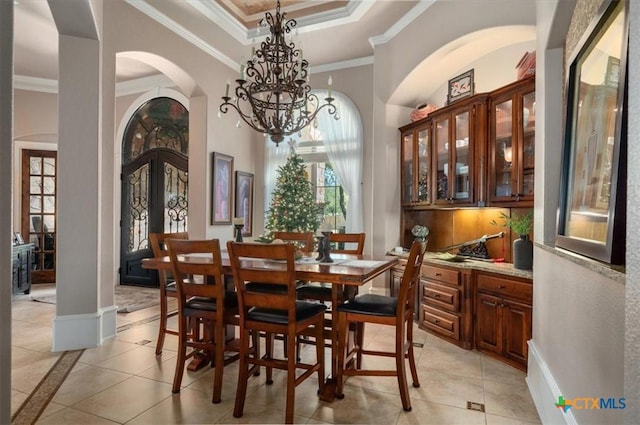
(402, 23)
(44, 85)
(181, 31)
(351, 63)
(139, 85)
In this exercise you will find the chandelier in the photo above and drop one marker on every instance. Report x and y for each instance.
(273, 95)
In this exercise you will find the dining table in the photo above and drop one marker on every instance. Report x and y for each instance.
(345, 274)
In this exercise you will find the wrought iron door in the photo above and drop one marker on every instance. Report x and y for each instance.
(154, 184)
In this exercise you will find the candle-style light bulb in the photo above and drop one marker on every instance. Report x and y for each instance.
(330, 82)
(226, 92)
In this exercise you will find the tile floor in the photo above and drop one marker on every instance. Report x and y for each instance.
(124, 382)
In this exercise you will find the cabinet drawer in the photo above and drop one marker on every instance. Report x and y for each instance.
(441, 322)
(505, 287)
(442, 296)
(441, 274)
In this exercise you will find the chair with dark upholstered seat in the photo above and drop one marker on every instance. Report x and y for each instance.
(167, 284)
(273, 312)
(202, 302)
(384, 310)
(302, 240)
(346, 243)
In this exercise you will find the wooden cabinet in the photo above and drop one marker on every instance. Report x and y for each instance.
(444, 307)
(415, 171)
(503, 317)
(511, 144)
(459, 137)
(22, 258)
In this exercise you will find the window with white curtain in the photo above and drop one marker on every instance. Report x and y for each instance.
(333, 152)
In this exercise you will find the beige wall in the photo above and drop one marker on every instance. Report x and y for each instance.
(578, 341)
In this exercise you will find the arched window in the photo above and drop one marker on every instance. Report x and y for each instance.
(333, 152)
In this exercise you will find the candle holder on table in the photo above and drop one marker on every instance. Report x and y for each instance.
(320, 239)
(238, 224)
(326, 252)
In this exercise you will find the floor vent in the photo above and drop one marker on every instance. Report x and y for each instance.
(418, 344)
(471, 405)
(143, 342)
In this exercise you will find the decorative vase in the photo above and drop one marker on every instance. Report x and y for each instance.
(523, 253)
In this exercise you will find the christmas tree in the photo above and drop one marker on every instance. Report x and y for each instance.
(292, 207)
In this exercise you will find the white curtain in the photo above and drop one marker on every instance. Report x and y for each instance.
(343, 140)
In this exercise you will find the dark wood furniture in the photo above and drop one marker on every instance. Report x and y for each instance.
(348, 270)
(166, 283)
(303, 240)
(446, 306)
(511, 145)
(384, 310)
(503, 317)
(204, 308)
(21, 261)
(273, 312)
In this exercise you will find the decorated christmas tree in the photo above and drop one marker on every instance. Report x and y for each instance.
(292, 207)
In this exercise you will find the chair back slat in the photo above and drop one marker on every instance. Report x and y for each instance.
(282, 272)
(203, 279)
(410, 279)
(348, 243)
(304, 240)
(158, 242)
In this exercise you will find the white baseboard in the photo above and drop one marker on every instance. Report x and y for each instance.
(78, 331)
(544, 390)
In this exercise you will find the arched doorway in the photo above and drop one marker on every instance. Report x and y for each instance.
(154, 183)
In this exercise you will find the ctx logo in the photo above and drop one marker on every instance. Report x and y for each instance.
(590, 403)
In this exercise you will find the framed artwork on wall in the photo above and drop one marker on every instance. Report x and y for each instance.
(222, 175)
(592, 211)
(460, 87)
(244, 201)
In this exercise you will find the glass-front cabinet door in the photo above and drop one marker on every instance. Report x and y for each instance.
(512, 145)
(454, 143)
(416, 165)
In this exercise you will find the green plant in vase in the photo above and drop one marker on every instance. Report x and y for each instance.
(521, 224)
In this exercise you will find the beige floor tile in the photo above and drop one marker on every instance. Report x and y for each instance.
(26, 377)
(107, 350)
(501, 420)
(165, 370)
(187, 407)
(52, 408)
(429, 413)
(513, 401)
(456, 362)
(69, 416)
(497, 371)
(135, 361)
(444, 388)
(361, 406)
(86, 382)
(126, 400)
(102, 389)
(17, 398)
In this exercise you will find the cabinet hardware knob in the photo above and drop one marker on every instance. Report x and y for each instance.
(438, 274)
(436, 295)
(501, 286)
(436, 321)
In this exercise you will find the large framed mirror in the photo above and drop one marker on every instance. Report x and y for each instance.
(591, 219)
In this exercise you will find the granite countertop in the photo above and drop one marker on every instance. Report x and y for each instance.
(502, 268)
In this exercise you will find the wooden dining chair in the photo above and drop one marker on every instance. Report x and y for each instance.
(273, 312)
(166, 283)
(384, 310)
(302, 240)
(346, 243)
(203, 303)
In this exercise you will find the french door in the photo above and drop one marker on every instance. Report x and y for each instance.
(38, 217)
(154, 199)
(154, 182)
